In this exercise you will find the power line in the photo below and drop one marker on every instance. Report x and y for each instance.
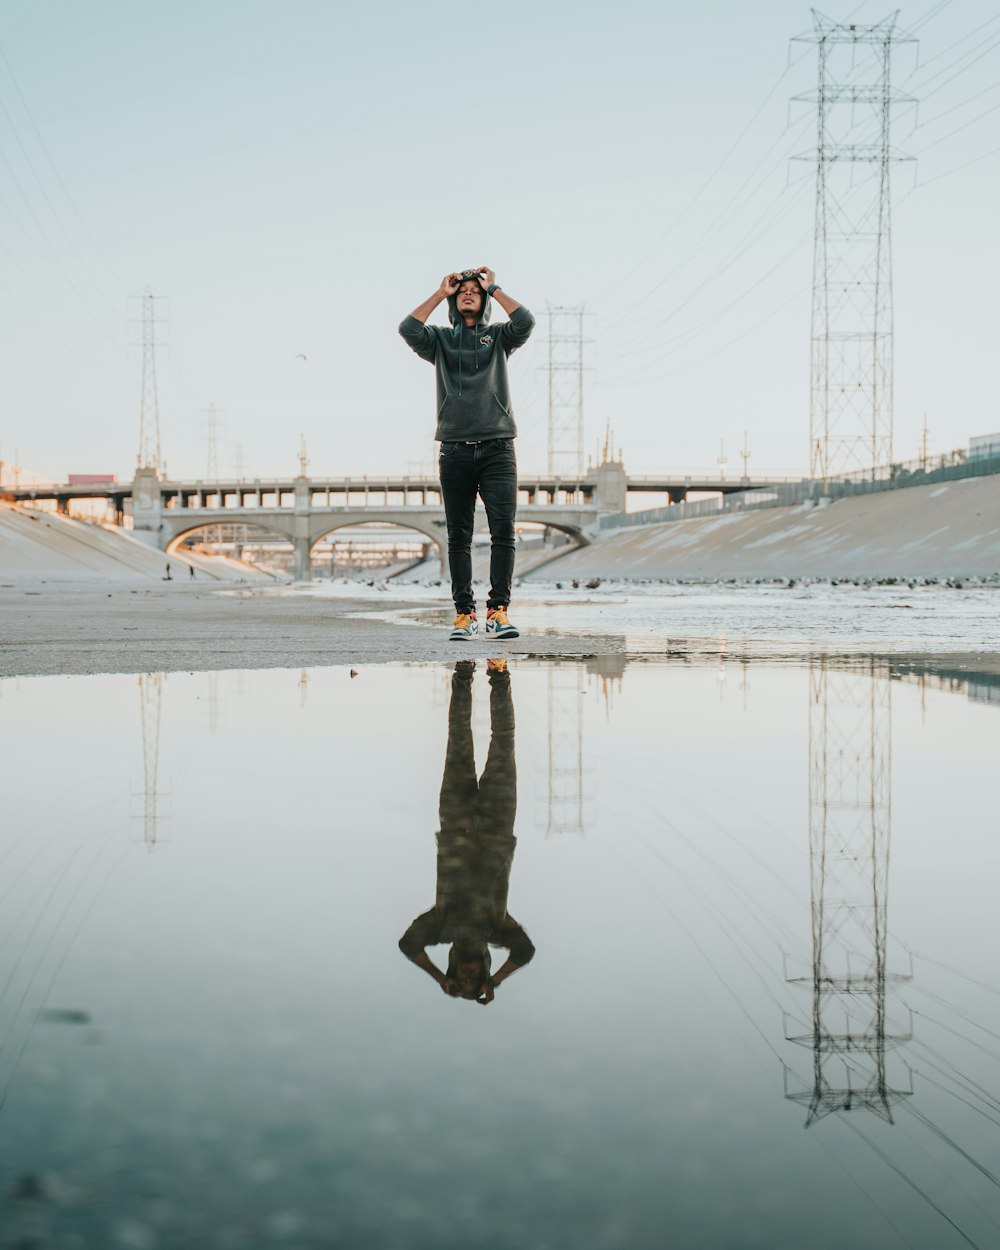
(737, 251)
(54, 257)
(956, 169)
(52, 165)
(734, 206)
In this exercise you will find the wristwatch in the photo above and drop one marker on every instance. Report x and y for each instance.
(493, 286)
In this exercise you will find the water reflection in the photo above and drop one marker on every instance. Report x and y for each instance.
(150, 804)
(475, 850)
(850, 814)
(177, 1066)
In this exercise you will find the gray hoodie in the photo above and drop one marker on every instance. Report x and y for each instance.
(473, 396)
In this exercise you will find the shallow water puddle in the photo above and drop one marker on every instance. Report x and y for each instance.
(740, 924)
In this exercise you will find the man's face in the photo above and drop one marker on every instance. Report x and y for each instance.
(469, 297)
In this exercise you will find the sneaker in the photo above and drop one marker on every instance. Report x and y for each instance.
(496, 666)
(498, 626)
(465, 627)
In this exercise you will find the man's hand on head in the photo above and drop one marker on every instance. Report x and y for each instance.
(486, 276)
(450, 283)
(485, 993)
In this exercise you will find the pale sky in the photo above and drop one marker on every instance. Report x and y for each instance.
(297, 177)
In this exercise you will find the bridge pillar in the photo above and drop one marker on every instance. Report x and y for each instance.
(611, 488)
(301, 539)
(303, 559)
(147, 508)
(678, 494)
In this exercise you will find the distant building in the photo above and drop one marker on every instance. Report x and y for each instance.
(984, 445)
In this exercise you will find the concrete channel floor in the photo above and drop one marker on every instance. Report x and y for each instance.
(48, 630)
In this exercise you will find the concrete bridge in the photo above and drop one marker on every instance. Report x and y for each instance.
(305, 510)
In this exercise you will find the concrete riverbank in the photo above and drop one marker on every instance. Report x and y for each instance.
(44, 548)
(947, 530)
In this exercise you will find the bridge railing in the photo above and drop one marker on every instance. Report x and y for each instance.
(925, 472)
(694, 480)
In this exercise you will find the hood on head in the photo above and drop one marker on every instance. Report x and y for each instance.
(453, 314)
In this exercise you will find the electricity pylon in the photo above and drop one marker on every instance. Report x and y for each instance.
(150, 699)
(565, 370)
(566, 810)
(850, 811)
(149, 403)
(851, 375)
(212, 425)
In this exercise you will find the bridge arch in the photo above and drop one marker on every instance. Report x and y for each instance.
(321, 527)
(179, 531)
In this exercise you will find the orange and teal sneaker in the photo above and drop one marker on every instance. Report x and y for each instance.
(498, 626)
(498, 665)
(466, 626)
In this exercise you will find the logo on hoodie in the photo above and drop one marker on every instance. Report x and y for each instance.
(486, 340)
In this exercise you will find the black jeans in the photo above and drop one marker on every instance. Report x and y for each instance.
(486, 807)
(487, 469)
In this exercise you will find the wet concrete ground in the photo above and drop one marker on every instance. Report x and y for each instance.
(83, 631)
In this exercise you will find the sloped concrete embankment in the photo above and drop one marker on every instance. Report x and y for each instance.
(45, 547)
(946, 530)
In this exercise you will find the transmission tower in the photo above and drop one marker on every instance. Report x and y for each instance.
(850, 807)
(565, 371)
(212, 427)
(851, 375)
(149, 403)
(150, 699)
(566, 809)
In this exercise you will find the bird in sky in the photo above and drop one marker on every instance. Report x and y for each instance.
(301, 356)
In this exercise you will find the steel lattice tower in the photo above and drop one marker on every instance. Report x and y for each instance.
(212, 423)
(150, 700)
(566, 809)
(565, 369)
(149, 403)
(851, 375)
(850, 811)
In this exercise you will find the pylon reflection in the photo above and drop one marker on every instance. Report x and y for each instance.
(850, 817)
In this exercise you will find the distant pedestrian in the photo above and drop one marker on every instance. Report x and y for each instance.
(191, 572)
(166, 575)
(476, 430)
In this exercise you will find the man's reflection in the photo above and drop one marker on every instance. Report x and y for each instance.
(475, 850)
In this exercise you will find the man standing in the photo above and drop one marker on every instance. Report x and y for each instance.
(476, 430)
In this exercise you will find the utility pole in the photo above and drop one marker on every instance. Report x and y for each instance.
(149, 404)
(565, 369)
(851, 375)
(722, 461)
(745, 457)
(850, 813)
